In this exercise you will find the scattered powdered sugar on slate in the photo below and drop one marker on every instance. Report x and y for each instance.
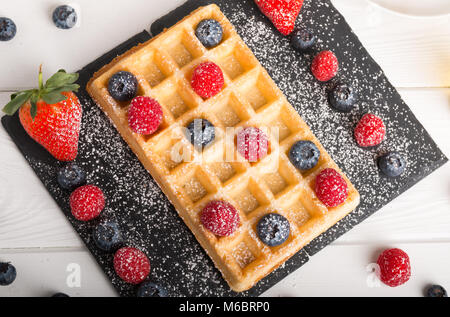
(291, 71)
(148, 220)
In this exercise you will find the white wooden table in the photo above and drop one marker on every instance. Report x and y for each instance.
(37, 238)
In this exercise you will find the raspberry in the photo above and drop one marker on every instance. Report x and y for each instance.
(145, 115)
(395, 268)
(87, 202)
(221, 218)
(132, 265)
(370, 131)
(331, 188)
(207, 80)
(325, 66)
(252, 144)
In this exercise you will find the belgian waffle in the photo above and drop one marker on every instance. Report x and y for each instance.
(164, 66)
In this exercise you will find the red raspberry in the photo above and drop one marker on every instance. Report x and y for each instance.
(207, 80)
(221, 218)
(87, 202)
(331, 188)
(132, 265)
(145, 115)
(252, 144)
(395, 268)
(325, 66)
(370, 131)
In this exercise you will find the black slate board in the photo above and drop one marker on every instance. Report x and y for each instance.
(144, 213)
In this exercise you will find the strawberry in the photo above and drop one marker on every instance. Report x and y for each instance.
(51, 114)
(282, 13)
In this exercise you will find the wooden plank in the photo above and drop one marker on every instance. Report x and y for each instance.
(103, 26)
(349, 275)
(30, 218)
(413, 54)
(43, 272)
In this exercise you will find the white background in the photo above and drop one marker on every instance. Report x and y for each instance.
(35, 236)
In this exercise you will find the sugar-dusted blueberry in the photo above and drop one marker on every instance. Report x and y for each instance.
(8, 274)
(123, 86)
(392, 164)
(304, 155)
(209, 33)
(107, 236)
(201, 132)
(71, 176)
(8, 29)
(150, 289)
(65, 17)
(303, 39)
(273, 229)
(436, 291)
(342, 97)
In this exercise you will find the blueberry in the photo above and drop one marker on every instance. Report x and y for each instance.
(8, 29)
(65, 17)
(209, 33)
(392, 164)
(304, 155)
(436, 291)
(60, 295)
(200, 132)
(7, 274)
(123, 86)
(107, 236)
(71, 177)
(149, 289)
(273, 229)
(303, 40)
(342, 98)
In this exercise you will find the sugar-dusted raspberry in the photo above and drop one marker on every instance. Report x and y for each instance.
(395, 268)
(87, 202)
(207, 80)
(252, 144)
(145, 115)
(132, 265)
(221, 218)
(331, 188)
(325, 66)
(370, 131)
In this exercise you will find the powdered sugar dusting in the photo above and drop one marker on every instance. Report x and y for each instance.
(149, 221)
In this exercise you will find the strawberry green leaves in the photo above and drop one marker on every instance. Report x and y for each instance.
(50, 93)
(60, 79)
(17, 100)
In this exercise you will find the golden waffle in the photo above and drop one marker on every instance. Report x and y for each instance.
(164, 67)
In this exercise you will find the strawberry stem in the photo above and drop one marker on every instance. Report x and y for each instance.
(41, 81)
